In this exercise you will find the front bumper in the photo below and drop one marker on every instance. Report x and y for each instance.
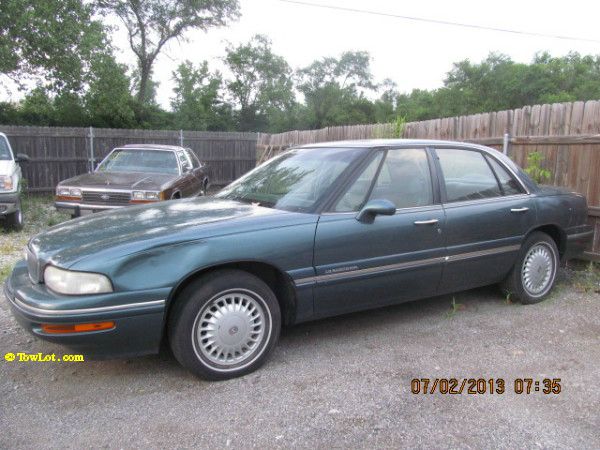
(138, 317)
(8, 203)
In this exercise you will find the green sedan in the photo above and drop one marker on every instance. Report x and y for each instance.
(317, 231)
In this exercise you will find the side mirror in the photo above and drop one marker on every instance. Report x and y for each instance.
(21, 157)
(374, 208)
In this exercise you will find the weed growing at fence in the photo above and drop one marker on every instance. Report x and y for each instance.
(534, 168)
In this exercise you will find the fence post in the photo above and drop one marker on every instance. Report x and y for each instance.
(92, 159)
(181, 138)
(505, 143)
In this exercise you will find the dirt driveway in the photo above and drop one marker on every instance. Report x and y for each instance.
(343, 382)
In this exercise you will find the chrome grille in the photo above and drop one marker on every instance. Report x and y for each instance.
(106, 198)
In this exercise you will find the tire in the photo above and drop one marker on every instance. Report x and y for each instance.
(224, 325)
(534, 273)
(14, 221)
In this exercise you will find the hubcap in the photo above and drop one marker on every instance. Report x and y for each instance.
(230, 328)
(538, 269)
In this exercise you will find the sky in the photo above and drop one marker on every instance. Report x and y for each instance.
(413, 54)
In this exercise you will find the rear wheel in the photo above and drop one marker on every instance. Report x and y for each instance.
(534, 274)
(224, 324)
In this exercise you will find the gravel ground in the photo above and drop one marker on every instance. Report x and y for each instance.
(341, 382)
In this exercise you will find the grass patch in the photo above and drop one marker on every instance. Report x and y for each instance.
(587, 280)
(5, 271)
(455, 308)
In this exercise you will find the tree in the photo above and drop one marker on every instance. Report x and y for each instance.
(198, 102)
(50, 40)
(261, 85)
(333, 88)
(151, 24)
(108, 100)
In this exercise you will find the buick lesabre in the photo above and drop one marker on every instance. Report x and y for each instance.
(317, 231)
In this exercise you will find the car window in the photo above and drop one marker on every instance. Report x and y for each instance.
(295, 180)
(356, 195)
(155, 161)
(184, 159)
(4, 151)
(509, 185)
(467, 175)
(193, 158)
(404, 179)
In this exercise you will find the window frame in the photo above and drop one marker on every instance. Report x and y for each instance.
(485, 155)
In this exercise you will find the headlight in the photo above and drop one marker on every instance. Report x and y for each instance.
(76, 283)
(146, 196)
(68, 192)
(6, 183)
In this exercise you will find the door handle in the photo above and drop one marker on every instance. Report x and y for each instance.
(426, 222)
(518, 210)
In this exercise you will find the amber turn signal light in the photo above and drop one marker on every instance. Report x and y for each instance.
(67, 198)
(77, 327)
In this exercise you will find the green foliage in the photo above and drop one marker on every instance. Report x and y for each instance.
(261, 84)
(198, 102)
(534, 168)
(48, 40)
(333, 90)
(108, 100)
(455, 308)
(150, 24)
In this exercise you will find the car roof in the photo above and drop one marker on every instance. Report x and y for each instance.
(371, 143)
(170, 148)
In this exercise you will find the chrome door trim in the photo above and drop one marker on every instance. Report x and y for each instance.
(405, 265)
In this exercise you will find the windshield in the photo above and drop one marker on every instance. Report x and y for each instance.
(157, 161)
(294, 181)
(4, 151)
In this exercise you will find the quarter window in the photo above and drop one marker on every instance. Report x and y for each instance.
(508, 184)
(186, 164)
(467, 175)
(193, 158)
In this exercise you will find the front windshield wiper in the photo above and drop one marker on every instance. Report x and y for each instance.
(254, 201)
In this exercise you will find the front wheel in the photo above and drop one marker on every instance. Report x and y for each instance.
(14, 221)
(534, 274)
(224, 324)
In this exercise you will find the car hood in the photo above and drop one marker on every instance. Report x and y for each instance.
(7, 167)
(119, 180)
(116, 233)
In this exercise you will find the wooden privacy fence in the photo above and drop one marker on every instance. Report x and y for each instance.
(566, 134)
(59, 153)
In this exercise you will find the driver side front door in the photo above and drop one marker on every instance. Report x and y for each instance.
(360, 265)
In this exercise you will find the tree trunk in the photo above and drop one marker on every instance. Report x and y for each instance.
(145, 69)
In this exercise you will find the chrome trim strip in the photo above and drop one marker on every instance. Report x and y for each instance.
(405, 265)
(477, 254)
(77, 312)
(87, 206)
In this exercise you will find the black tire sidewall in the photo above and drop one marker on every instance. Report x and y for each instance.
(192, 300)
(515, 285)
